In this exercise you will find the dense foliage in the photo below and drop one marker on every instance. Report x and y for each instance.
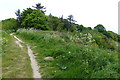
(9, 24)
(75, 55)
(36, 19)
(54, 23)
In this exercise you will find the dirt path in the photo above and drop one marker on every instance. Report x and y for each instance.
(34, 65)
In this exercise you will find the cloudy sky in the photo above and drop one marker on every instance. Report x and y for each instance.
(86, 12)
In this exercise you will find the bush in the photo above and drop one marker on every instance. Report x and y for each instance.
(113, 35)
(99, 27)
(80, 28)
(10, 24)
(36, 19)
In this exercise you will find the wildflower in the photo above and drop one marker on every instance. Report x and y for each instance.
(63, 56)
(87, 62)
(63, 40)
(85, 34)
(93, 39)
(63, 68)
(69, 52)
(89, 35)
(80, 33)
(3, 38)
(70, 37)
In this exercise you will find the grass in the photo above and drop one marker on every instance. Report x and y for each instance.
(16, 62)
(0, 49)
(73, 58)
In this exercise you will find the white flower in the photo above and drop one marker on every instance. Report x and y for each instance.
(69, 52)
(64, 67)
(63, 40)
(89, 35)
(85, 34)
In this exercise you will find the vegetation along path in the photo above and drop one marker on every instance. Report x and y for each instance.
(34, 65)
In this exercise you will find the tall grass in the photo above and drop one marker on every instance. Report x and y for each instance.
(73, 58)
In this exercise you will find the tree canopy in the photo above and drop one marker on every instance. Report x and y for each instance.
(35, 19)
(99, 27)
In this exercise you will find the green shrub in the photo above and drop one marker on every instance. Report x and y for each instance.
(36, 19)
(9, 24)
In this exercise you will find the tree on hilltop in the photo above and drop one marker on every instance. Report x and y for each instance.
(71, 21)
(38, 6)
(99, 27)
(18, 14)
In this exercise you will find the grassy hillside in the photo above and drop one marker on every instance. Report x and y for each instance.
(75, 55)
(15, 62)
(63, 48)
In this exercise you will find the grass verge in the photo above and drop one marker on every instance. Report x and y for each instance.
(15, 62)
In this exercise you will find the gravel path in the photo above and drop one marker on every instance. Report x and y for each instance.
(34, 65)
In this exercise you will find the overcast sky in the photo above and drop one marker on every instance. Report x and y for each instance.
(86, 12)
